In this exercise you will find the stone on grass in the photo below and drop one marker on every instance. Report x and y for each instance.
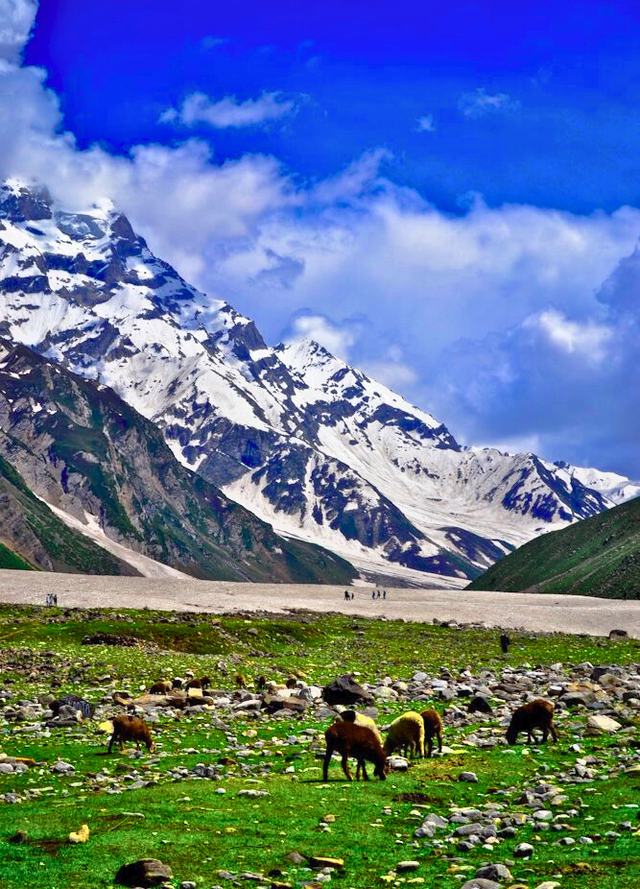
(325, 861)
(602, 724)
(468, 777)
(480, 883)
(398, 763)
(145, 872)
(345, 690)
(403, 867)
(495, 872)
(523, 850)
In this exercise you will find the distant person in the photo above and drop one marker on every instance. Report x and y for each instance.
(384, 594)
(378, 594)
(346, 595)
(55, 599)
(373, 594)
(505, 642)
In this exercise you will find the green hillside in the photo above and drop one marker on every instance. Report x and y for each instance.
(599, 556)
(35, 538)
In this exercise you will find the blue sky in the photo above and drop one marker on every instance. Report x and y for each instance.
(446, 195)
(567, 136)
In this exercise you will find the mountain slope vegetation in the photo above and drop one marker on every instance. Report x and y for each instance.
(599, 556)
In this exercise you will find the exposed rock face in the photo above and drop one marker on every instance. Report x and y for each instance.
(294, 434)
(87, 453)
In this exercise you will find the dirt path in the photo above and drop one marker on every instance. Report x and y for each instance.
(569, 614)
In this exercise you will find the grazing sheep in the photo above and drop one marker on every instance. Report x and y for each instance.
(361, 719)
(536, 714)
(161, 688)
(432, 729)
(291, 682)
(131, 728)
(406, 733)
(198, 683)
(178, 682)
(240, 680)
(360, 743)
(260, 683)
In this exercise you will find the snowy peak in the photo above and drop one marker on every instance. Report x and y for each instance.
(315, 447)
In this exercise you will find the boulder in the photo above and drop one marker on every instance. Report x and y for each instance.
(143, 873)
(479, 704)
(600, 724)
(345, 690)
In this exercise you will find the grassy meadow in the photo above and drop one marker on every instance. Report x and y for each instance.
(151, 806)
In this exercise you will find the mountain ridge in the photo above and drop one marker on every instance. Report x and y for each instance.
(300, 438)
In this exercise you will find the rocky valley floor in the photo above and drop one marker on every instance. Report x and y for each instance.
(233, 794)
(531, 611)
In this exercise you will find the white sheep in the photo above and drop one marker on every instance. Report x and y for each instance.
(406, 734)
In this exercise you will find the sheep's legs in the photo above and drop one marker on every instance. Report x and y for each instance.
(325, 764)
(345, 766)
(361, 765)
(554, 733)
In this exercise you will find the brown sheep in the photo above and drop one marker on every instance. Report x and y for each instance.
(131, 728)
(240, 681)
(432, 729)
(260, 683)
(536, 714)
(161, 688)
(198, 683)
(359, 742)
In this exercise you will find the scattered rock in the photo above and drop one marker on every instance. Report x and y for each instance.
(600, 724)
(495, 872)
(523, 850)
(407, 866)
(468, 777)
(145, 872)
(345, 690)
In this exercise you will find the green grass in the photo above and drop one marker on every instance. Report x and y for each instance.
(9, 559)
(198, 832)
(599, 556)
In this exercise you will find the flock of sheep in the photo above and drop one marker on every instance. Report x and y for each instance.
(356, 736)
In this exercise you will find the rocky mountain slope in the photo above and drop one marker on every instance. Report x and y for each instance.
(32, 537)
(96, 461)
(306, 442)
(597, 557)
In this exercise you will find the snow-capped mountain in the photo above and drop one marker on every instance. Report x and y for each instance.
(303, 440)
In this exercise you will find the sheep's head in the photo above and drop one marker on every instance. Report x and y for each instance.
(513, 730)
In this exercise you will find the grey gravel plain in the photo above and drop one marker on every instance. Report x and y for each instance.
(530, 611)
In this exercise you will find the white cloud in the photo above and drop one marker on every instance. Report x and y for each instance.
(336, 338)
(480, 102)
(500, 311)
(588, 339)
(228, 112)
(391, 369)
(426, 124)
(16, 20)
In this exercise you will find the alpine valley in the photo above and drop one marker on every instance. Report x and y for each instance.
(156, 425)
